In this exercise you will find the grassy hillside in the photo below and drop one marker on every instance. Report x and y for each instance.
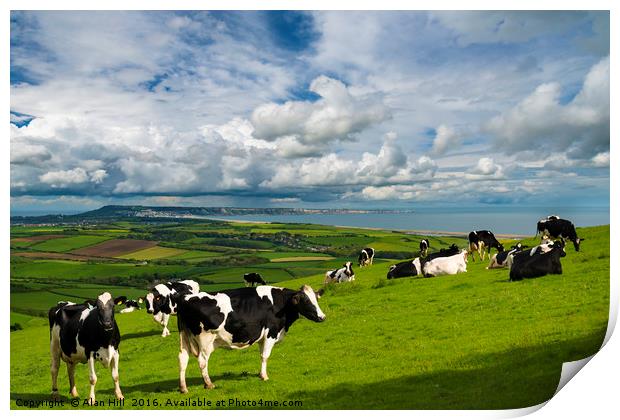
(472, 340)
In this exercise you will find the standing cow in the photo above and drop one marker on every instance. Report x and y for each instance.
(81, 333)
(366, 256)
(159, 300)
(482, 241)
(559, 228)
(238, 318)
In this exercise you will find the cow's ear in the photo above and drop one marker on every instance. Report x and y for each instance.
(141, 299)
(90, 302)
(319, 293)
(120, 300)
(295, 299)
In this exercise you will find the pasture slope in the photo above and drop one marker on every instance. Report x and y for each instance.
(469, 341)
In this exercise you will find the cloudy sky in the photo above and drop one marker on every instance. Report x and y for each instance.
(325, 109)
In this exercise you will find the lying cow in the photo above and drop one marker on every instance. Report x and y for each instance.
(409, 268)
(424, 244)
(482, 241)
(238, 318)
(366, 256)
(81, 333)
(160, 304)
(340, 274)
(253, 279)
(500, 259)
(544, 247)
(446, 265)
(131, 305)
(539, 264)
(559, 228)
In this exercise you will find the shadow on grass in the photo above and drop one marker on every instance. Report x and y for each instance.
(521, 377)
(142, 334)
(172, 385)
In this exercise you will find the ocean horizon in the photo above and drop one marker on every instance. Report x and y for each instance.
(506, 221)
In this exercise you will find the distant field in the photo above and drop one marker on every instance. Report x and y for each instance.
(116, 247)
(153, 253)
(294, 259)
(38, 238)
(53, 256)
(68, 243)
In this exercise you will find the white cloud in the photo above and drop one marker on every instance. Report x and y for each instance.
(486, 166)
(59, 179)
(445, 140)
(541, 123)
(24, 153)
(601, 159)
(338, 114)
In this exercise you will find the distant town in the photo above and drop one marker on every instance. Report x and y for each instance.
(153, 212)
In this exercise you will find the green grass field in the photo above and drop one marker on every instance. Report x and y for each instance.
(153, 253)
(469, 341)
(69, 243)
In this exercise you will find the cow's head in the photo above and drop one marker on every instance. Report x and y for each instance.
(349, 268)
(465, 253)
(306, 302)
(158, 300)
(560, 245)
(577, 242)
(105, 309)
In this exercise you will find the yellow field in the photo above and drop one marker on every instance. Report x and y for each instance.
(293, 259)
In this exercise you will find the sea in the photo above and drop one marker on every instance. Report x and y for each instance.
(504, 220)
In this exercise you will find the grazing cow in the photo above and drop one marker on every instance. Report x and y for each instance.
(446, 265)
(366, 257)
(500, 259)
(424, 244)
(538, 265)
(443, 252)
(81, 333)
(559, 228)
(482, 241)
(253, 279)
(131, 305)
(409, 268)
(340, 274)
(160, 304)
(238, 318)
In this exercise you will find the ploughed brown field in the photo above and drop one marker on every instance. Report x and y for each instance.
(37, 238)
(55, 256)
(114, 248)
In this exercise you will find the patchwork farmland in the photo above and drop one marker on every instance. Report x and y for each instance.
(473, 340)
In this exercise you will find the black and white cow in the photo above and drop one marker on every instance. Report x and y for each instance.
(545, 246)
(366, 256)
(539, 264)
(409, 268)
(84, 333)
(340, 274)
(131, 305)
(160, 304)
(482, 241)
(500, 259)
(443, 252)
(424, 244)
(253, 279)
(238, 318)
(559, 228)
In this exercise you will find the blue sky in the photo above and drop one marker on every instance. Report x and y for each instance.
(315, 109)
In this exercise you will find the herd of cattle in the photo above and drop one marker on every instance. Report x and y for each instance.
(87, 332)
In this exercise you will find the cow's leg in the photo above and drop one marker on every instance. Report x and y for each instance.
(55, 363)
(183, 359)
(114, 366)
(206, 348)
(93, 379)
(472, 250)
(481, 249)
(265, 351)
(164, 322)
(71, 375)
